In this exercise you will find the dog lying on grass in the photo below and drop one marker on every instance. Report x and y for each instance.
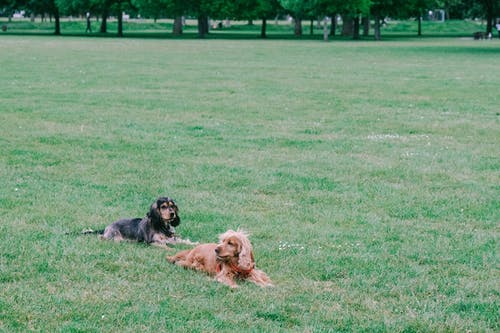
(157, 227)
(230, 259)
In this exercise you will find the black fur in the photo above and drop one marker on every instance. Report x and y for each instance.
(153, 228)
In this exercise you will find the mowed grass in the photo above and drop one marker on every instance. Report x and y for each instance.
(367, 174)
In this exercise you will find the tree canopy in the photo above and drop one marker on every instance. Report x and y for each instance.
(350, 11)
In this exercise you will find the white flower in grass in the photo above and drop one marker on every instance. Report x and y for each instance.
(282, 246)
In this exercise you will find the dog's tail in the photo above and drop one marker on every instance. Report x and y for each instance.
(85, 232)
(92, 232)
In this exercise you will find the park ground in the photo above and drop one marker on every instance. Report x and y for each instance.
(367, 174)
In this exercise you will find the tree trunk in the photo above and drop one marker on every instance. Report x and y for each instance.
(202, 25)
(377, 27)
(263, 28)
(311, 27)
(347, 25)
(298, 26)
(58, 22)
(177, 29)
(333, 26)
(104, 25)
(120, 21)
(490, 16)
(419, 25)
(355, 31)
(366, 25)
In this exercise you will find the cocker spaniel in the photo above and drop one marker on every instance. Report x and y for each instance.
(231, 258)
(157, 227)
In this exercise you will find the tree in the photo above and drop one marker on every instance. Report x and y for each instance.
(202, 10)
(9, 6)
(491, 8)
(394, 8)
(151, 8)
(54, 10)
(50, 7)
(417, 8)
(166, 8)
(265, 9)
(250, 9)
(351, 12)
(298, 9)
(454, 8)
(104, 8)
(73, 7)
(176, 8)
(107, 7)
(47, 6)
(330, 8)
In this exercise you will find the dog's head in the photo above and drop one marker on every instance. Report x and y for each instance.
(164, 213)
(235, 248)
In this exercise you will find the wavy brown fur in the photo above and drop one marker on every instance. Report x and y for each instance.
(232, 258)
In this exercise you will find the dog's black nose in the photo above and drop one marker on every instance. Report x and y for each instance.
(172, 215)
(217, 250)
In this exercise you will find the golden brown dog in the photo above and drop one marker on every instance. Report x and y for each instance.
(230, 259)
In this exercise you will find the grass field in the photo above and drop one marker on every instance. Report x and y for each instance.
(368, 175)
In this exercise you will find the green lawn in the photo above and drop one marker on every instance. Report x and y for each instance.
(368, 174)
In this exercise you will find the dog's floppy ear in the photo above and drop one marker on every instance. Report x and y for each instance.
(177, 220)
(154, 214)
(245, 258)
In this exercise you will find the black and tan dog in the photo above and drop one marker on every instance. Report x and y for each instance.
(157, 227)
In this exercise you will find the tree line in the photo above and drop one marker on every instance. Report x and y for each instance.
(353, 12)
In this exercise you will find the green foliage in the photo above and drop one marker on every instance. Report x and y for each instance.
(367, 174)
